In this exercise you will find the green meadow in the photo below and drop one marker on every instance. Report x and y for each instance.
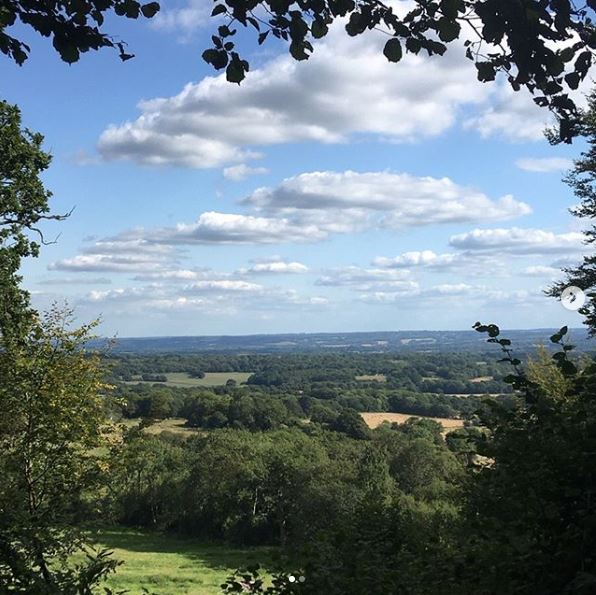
(167, 565)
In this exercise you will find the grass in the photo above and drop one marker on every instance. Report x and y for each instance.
(168, 565)
(172, 424)
(182, 379)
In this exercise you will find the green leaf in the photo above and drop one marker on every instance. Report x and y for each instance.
(392, 50)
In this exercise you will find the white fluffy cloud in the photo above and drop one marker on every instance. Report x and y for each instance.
(229, 228)
(544, 164)
(419, 259)
(312, 206)
(344, 201)
(518, 241)
(274, 267)
(120, 256)
(327, 99)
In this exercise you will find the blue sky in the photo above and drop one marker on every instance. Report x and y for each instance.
(343, 193)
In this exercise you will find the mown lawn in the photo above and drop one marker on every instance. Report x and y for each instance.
(168, 565)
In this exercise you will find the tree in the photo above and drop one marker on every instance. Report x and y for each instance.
(530, 514)
(23, 204)
(546, 46)
(51, 418)
(582, 180)
(75, 27)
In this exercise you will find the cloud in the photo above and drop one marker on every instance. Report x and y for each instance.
(237, 173)
(328, 100)
(349, 200)
(511, 115)
(363, 279)
(222, 297)
(120, 256)
(192, 15)
(542, 271)
(277, 267)
(518, 241)
(229, 228)
(419, 259)
(225, 285)
(544, 164)
(76, 281)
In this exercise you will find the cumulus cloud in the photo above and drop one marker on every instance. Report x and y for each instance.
(349, 200)
(240, 172)
(229, 228)
(419, 259)
(518, 241)
(212, 123)
(544, 164)
(120, 256)
(511, 115)
(275, 267)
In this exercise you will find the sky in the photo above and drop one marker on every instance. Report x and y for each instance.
(339, 194)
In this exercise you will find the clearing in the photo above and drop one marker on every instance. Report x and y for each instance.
(372, 378)
(373, 420)
(171, 565)
(182, 379)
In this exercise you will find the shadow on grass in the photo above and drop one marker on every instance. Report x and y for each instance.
(214, 555)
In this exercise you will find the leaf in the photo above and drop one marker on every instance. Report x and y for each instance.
(486, 71)
(235, 72)
(217, 58)
(150, 10)
(573, 80)
(448, 30)
(219, 9)
(392, 50)
(318, 29)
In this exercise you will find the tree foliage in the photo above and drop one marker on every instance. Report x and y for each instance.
(51, 417)
(74, 27)
(546, 46)
(23, 204)
(582, 180)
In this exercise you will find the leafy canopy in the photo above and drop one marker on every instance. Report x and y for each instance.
(546, 46)
(73, 25)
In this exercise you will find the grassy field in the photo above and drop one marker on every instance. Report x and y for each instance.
(211, 379)
(374, 420)
(167, 565)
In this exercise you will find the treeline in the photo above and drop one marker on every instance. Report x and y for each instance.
(270, 488)
(327, 375)
(257, 407)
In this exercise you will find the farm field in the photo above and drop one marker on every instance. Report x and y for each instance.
(182, 379)
(374, 420)
(168, 565)
(372, 378)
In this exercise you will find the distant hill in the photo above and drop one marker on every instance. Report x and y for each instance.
(363, 342)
